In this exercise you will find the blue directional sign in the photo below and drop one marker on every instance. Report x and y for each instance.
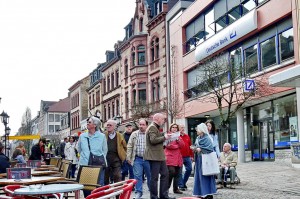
(249, 85)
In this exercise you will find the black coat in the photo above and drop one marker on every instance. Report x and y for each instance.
(4, 163)
(36, 153)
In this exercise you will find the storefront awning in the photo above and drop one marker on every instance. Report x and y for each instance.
(287, 78)
(24, 137)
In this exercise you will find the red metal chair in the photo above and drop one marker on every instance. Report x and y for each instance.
(106, 187)
(126, 191)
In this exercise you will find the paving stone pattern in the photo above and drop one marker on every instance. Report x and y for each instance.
(259, 180)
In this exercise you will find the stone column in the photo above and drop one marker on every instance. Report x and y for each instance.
(240, 135)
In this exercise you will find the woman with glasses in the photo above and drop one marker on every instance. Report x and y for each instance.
(173, 156)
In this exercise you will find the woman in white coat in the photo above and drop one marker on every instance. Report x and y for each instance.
(71, 154)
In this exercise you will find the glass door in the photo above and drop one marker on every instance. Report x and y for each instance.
(263, 141)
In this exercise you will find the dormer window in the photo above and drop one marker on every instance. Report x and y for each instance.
(157, 7)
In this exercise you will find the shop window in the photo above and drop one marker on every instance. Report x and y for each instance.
(250, 55)
(268, 53)
(286, 42)
(285, 121)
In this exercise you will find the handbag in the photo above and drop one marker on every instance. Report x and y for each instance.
(95, 159)
(210, 164)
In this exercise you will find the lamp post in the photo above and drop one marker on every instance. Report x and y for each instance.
(5, 120)
(7, 132)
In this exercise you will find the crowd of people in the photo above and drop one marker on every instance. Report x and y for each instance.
(144, 154)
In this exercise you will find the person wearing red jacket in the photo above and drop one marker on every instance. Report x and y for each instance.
(187, 156)
(174, 157)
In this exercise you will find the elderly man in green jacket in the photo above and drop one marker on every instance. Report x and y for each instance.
(155, 154)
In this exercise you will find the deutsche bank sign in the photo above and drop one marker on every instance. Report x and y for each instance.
(249, 85)
(233, 32)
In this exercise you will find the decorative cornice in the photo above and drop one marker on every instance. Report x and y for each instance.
(156, 20)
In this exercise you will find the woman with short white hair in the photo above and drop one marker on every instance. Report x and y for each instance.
(204, 186)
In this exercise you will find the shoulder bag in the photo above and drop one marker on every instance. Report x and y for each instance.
(210, 164)
(95, 159)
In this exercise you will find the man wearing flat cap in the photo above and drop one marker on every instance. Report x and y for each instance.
(126, 167)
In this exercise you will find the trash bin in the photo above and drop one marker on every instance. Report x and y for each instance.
(295, 149)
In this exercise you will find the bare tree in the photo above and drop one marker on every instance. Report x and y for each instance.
(145, 110)
(221, 82)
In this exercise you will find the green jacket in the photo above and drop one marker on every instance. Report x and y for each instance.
(154, 144)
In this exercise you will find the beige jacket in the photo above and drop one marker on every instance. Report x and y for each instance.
(131, 146)
(230, 159)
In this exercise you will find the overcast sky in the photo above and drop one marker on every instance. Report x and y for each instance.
(48, 45)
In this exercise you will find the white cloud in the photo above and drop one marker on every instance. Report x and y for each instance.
(46, 46)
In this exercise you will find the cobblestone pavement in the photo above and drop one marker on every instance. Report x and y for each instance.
(263, 180)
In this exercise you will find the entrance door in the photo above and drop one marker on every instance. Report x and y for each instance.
(263, 141)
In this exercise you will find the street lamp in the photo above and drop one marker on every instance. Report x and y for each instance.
(7, 132)
(5, 120)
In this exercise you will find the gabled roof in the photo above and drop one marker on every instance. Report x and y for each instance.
(62, 105)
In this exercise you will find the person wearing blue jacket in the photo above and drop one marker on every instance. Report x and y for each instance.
(98, 145)
(212, 132)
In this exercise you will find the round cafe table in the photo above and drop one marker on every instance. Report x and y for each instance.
(56, 189)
